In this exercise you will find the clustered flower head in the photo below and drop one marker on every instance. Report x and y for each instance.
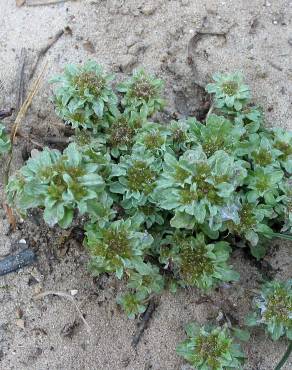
(163, 201)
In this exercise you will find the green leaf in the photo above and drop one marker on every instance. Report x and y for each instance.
(66, 221)
(241, 334)
(251, 319)
(258, 251)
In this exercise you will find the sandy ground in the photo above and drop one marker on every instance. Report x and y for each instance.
(47, 334)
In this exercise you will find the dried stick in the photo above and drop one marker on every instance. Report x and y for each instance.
(6, 113)
(16, 262)
(56, 140)
(19, 117)
(26, 104)
(46, 2)
(69, 298)
(20, 87)
(44, 50)
(144, 323)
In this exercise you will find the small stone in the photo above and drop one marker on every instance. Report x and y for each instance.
(5, 248)
(69, 329)
(38, 289)
(131, 40)
(22, 241)
(20, 323)
(88, 46)
(73, 292)
(275, 22)
(137, 48)
(18, 313)
(34, 153)
(139, 30)
(125, 11)
(268, 4)
(127, 62)
(149, 9)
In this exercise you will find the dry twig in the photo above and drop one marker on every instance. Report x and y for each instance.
(19, 117)
(20, 87)
(44, 50)
(46, 2)
(69, 298)
(144, 323)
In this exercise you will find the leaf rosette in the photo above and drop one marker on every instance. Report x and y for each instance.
(273, 309)
(116, 246)
(58, 183)
(211, 348)
(84, 96)
(196, 263)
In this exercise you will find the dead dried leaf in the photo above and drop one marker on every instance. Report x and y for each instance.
(88, 46)
(20, 323)
(19, 3)
(18, 313)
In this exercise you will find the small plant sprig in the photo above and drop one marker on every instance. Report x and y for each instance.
(230, 91)
(116, 247)
(273, 310)
(211, 348)
(58, 183)
(4, 141)
(142, 93)
(195, 263)
(84, 95)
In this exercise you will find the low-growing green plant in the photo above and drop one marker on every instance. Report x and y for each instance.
(142, 94)
(58, 183)
(211, 348)
(195, 263)
(273, 311)
(4, 141)
(230, 91)
(163, 202)
(84, 96)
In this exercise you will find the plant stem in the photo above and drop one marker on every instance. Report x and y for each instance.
(210, 111)
(285, 357)
(279, 235)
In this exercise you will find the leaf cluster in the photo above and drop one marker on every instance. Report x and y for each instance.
(211, 348)
(273, 309)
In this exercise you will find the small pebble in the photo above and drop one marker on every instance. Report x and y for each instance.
(149, 9)
(137, 48)
(20, 323)
(5, 248)
(127, 62)
(73, 292)
(22, 241)
(131, 40)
